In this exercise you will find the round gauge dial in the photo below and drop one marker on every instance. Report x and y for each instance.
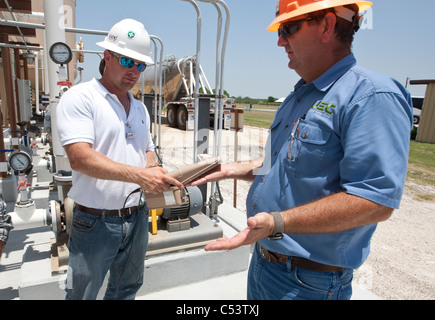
(20, 160)
(60, 53)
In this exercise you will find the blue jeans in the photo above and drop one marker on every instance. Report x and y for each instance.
(98, 244)
(279, 281)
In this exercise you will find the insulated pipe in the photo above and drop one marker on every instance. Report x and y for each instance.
(198, 52)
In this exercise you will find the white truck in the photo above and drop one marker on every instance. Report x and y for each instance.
(178, 88)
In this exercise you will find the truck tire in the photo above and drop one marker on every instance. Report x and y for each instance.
(171, 116)
(182, 117)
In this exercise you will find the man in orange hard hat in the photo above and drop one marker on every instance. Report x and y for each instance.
(335, 165)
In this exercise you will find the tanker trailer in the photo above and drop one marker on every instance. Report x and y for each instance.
(178, 88)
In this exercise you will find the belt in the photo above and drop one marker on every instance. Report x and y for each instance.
(274, 257)
(108, 213)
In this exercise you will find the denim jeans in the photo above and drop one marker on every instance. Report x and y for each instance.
(99, 244)
(279, 281)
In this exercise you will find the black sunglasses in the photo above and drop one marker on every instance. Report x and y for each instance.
(287, 29)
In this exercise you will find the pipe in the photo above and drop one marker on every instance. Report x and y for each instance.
(5, 22)
(13, 16)
(160, 88)
(224, 44)
(54, 32)
(17, 46)
(155, 91)
(220, 53)
(217, 81)
(198, 56)
(186, 87)
(37, 110)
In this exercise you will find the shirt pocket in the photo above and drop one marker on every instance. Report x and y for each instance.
(310, 149)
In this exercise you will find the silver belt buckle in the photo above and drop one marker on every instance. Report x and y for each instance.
(264, 253)
(120, 212)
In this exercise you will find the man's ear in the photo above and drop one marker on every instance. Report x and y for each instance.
(328, 23)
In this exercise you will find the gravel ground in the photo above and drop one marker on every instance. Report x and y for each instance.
(401, 263)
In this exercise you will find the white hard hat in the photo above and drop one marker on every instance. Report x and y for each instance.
(129, 38)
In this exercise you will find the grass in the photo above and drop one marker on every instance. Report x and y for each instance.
(258, 118)
(421, 164)
(421, 170)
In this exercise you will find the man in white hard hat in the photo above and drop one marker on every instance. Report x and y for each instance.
(106, 135)
(337, 162)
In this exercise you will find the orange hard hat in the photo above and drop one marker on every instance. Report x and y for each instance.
(288, 9)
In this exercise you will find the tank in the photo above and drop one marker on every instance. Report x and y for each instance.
(177, 78)
(178, 88)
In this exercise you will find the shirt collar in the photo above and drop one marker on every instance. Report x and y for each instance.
(334, 73)
(104, 91)
(100, 87)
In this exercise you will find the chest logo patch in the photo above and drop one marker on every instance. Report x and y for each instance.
(324, 108)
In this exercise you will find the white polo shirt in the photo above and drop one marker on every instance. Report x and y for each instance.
(89, 113)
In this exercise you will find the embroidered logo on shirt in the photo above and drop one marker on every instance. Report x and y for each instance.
(323, 108)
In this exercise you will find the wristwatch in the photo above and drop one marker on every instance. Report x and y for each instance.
(278, 228)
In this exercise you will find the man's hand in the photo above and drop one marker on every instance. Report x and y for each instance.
(94, 164)
(156, 180)
(216, 174)
(259, 227)
(237, 170)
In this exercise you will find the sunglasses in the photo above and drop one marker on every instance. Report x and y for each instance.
(129, 63)
(291, 27)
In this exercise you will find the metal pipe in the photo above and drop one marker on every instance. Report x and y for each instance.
(204, 77)
(198, 60)
(13, 16)
(183, 78)
(224, 45)
(155, 91)
(220, 53)
(38, 111)
(5, 22)
(160, 89)
(217, 79)
(17, 46)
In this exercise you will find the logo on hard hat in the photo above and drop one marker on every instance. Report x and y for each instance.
(112, 37)
(131, 34)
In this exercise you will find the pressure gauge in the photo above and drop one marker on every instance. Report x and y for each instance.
(60, 53)
(20, 161)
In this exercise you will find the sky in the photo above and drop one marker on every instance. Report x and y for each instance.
(397, 39)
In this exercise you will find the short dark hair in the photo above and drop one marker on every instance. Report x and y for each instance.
(102, 66)
(344, 29)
